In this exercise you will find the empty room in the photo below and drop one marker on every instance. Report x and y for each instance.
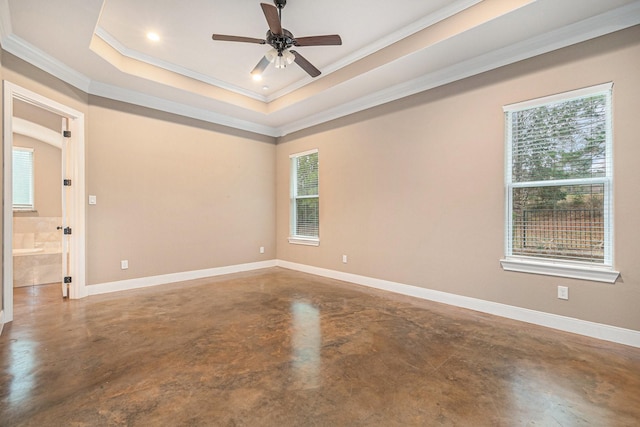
(320, 213)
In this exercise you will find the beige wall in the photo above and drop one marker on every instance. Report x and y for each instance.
(47, 161)
(175, 194)
(413, 191)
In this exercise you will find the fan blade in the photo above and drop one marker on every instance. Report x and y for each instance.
(262, 65)
(222, 37)
(305, 65)
(329, 40)
(271, 13)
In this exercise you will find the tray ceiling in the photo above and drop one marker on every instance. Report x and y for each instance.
(390, 50)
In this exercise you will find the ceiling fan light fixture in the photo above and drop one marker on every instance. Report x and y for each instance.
(284, 59)
(289, 57)
(271, 55)
(280, 59)
(280, 62)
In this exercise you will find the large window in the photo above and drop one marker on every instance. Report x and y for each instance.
(23, 179)
(304, 198)
(558, 184)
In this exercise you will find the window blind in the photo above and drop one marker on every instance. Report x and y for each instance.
(23, 179)
(560, 141)
(559, 178)
(304, 195)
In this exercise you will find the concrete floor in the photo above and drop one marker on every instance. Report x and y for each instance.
(283, 348)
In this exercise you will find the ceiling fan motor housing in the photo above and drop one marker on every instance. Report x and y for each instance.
(282, 41)
(280, 3)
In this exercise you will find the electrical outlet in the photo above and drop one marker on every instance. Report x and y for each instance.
(563, 292)
(124, 264)
(261, 249)
(344, 259)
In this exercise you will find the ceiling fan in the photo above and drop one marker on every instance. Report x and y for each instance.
(282, 40)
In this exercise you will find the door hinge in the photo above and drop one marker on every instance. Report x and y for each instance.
(66, 182)
(67, 230)
(66, 133)
(67, 279)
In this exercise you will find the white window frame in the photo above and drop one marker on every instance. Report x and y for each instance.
(549, 266)
(293, 237)
(31, 207)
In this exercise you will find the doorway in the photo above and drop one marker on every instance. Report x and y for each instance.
(37, 198)
(73, 249)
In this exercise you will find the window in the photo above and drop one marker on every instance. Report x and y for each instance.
(23, 179)
(304, 198)
(558, 185)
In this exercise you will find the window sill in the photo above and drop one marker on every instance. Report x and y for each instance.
(574, 271)
(308, 241)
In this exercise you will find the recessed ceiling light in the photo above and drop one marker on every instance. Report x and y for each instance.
(256, 77)
(265, 87)
(153, 36)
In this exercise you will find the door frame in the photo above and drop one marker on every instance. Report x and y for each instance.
(77, 212)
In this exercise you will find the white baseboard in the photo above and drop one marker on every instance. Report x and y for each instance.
(568, 324)
(1, 321)
(143, 282)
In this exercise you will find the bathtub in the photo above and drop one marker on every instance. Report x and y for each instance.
(36, 266)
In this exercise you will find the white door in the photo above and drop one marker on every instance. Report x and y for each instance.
(67, 200)
(74, 216)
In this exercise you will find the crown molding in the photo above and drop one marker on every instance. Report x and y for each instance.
(609, 22)
(26, 51)
(441, 14)
(596, 26)
(419, 25)
(29, 53)
(156, 103)
(138, 56)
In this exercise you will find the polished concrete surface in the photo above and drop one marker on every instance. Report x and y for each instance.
(283, 348)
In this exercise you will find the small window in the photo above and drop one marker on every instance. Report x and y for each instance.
(23, 179)
(304, 199)
(558, 184)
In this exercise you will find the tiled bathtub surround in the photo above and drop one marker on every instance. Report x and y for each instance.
(37, 232)
(42, 264)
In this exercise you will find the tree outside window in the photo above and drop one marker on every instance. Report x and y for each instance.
(304, 197)
(558, 179)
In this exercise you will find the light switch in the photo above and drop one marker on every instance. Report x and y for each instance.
(93, 200)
